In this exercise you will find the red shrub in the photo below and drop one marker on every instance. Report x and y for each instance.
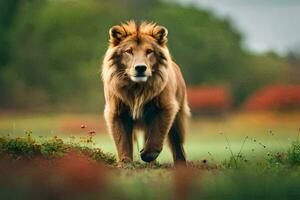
(209, 99)
(275, 97)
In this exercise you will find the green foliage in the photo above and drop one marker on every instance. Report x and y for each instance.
(293, 154)
(61, 44)
(19, 146)
(255, 72)
(53, 148)
(7, 14)
(203, 44)
(277, 158)
(289, 158)
(237, 161)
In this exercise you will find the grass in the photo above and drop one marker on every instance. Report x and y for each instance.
(244, 156)
(278, 173)
(204, 135)
(51, 148)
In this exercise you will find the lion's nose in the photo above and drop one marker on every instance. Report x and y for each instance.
(140, 69)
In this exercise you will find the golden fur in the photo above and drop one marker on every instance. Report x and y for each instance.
(157, 102)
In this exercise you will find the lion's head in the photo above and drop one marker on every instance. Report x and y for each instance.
(138, 53)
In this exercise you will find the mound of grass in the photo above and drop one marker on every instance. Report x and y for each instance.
(50, 148)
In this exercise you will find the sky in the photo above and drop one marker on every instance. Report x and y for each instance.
(266, 24)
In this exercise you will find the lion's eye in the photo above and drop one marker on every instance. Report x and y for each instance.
(129, 51)
(148, 51)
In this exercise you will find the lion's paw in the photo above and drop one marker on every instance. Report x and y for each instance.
(149, 156)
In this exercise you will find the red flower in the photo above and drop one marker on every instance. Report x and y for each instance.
(83, 126)
(92, 133)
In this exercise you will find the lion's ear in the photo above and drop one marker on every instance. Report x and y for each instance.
(160, 34)
(116, 34)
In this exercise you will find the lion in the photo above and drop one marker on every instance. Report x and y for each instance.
(144, 90)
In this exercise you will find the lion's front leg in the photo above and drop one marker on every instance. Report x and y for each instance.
(157, 126)
(121, 130)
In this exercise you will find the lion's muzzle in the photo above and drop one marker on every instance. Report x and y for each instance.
(140, 75)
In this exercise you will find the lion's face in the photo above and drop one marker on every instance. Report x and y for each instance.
(138, 53)
(139, 60)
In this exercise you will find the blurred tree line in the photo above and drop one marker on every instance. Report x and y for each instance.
(51, 51)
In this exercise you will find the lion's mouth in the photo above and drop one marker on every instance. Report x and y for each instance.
(139, 78)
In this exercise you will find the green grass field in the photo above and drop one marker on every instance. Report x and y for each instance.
(275, 130)
(239, 156)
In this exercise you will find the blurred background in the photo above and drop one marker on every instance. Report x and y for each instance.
(240, 59)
